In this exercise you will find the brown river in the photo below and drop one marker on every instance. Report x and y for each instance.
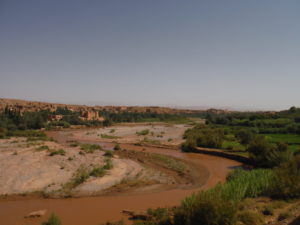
(97, 210)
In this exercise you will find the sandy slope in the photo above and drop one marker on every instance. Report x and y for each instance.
(25, 169)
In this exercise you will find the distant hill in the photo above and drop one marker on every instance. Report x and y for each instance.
(24, 106)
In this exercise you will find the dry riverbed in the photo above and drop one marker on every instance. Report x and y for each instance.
(80, 164)
(53, 169)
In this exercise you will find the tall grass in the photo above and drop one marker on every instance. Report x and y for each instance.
(219, 203)
(248, 184)
(241, 184)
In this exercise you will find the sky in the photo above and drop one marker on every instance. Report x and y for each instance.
(232, 54)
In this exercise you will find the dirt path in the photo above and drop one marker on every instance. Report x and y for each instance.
(97, 210)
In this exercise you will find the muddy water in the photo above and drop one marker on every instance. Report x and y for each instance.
(97, 210)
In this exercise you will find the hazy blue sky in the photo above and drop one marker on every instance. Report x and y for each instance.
(234, 54)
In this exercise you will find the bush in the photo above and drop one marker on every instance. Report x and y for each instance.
(203, 136)
(245, 136)
(160, 216)
(206, 209)
(143, 132)
(58, 152)
(42, 148)
(189, 145)
(53, 220)
(108, 164)
(108, 136)
(268, 211)
(80, 176)
(117, 147)
(60, 123)
(288, 179)
(109, 154)
(90, 148)
(264, 154)
(98, 172)
(250, 218)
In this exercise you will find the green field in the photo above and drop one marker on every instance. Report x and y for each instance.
(293, 140)
(233, 145)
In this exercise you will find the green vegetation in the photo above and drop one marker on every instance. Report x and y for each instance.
(13, 121)
(168, 162)
(203, 136)
(284, 122)
(60, 123)
(250, 218)
(143, 132)
(58, 152)
(90, 148)
(268, 139)
(109, 136)
(221, 204)
(268, 211)
(205, 209)
(265, 154)
(288, 179)
(80, 176)
(151, 141)
(117, 147)
(83, 173)
(74, 144)
(42, 148)
(143, 117)
(109, 154)
(53, 220)
(31, 135)
(101, 171)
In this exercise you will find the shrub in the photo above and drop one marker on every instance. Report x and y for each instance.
(203, 136)
(245, 136)
(268, 211)
(58, 152)
(160, 216)
(143, 132)
(108, 164)
(117, 147)
(288, 179)
(74, 144)
(89, 148)
(108, 154)
(80, 176)
(98, 172)
(109, 136)
(43, 147)
(250, 218)
(206, 209)
(60, 123)
(53, 220)
(264, 154)
(189, 145)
